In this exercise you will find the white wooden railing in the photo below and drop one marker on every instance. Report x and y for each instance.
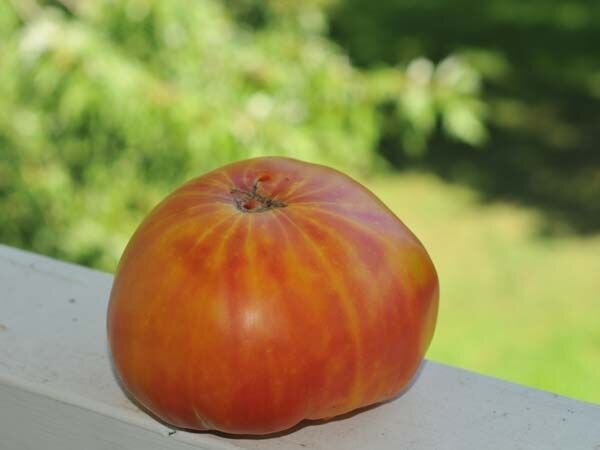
(57, 390)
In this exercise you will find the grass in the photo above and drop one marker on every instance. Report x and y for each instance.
(515, 303)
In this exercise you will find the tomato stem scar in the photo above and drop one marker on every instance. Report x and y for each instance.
(251, 201)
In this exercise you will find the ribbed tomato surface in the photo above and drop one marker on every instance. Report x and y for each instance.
(267, 292)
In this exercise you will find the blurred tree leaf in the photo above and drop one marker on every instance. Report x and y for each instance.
(107, 106)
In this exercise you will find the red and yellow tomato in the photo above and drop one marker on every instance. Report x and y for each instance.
(267, 292)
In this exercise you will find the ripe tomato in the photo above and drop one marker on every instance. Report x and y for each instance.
(267, 292)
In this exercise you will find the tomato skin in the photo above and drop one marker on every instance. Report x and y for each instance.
(267, 292)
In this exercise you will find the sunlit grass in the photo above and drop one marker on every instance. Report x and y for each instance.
(514, 304)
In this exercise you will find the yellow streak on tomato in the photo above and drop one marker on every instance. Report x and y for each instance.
(364, 299)
(157, 311)
(294, 198)
(348, 307)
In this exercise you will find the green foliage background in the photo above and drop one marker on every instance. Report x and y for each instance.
(106, 106)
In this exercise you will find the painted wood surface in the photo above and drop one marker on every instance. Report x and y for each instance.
(57, 390)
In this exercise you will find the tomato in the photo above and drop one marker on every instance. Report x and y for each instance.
(267, 292)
